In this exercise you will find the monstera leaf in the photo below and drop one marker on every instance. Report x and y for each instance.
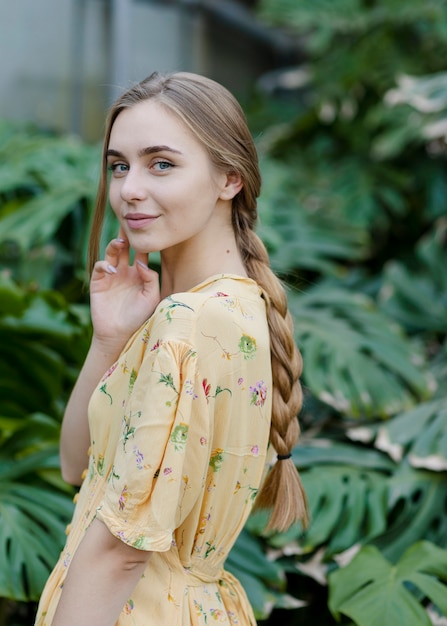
(41, 339)
(42, 179)
(347, 491)
(356, 360)
(420, 433)
(373, 592)
(287, 226)
(417, 296)
(263, 579)
(416, 510)
(32, 525)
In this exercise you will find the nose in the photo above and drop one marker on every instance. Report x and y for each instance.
(133, 187)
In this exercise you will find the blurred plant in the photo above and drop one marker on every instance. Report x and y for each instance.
(47, 189)
(42, 341)
(353, 149)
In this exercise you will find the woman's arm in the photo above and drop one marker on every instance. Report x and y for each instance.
(75, 436)
(100, 579)
(122, 298)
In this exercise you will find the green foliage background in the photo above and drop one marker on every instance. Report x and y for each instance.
(353, 211)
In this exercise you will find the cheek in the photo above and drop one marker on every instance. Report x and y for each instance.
(114, 197)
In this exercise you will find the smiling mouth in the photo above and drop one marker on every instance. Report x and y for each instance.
(138, 220)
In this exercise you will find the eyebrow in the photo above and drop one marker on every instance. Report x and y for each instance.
(144, 151)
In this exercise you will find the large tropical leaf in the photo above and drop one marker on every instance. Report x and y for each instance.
(41, 338)
(38, 219)
(347, 492)
(263, 579)
(297, 236)
(420, 433)
(345, 37)
(47, 189)
(417, 113)
(32, 531)
(356, 359)
(373, 591)
(416, 510)
(416, 295)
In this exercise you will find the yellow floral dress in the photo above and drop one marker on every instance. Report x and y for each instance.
(179, 434)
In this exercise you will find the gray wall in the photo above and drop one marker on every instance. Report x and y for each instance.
(60, 71)
(39, 74)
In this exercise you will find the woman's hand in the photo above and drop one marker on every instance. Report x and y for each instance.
(122, 296)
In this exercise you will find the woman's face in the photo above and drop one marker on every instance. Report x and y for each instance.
(164, 188)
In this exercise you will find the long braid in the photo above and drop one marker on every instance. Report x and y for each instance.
(282, 491)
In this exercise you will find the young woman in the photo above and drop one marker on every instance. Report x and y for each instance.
(188, 378)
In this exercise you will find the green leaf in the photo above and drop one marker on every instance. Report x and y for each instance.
(355, 359)
(11, 297)
(416, 510)
(38, 219)
(348, 506)
(262, 579)
(417, 297)
(319, 450)
(373, 592)
(420, 433)
(31, 537)
(287, 225)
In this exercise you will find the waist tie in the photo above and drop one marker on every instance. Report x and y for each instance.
(232, 593)
(197, 578)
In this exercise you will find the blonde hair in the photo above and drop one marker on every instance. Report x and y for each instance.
(215, 117)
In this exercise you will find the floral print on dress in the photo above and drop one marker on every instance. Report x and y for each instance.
(100, 465)
(139, 458)
(218, 615)
(216, 460)
(179, 436)
(103, 389)
(168, 309)
(132, 379)
(258, 393)
(247, 345)
(129, 607)
(168, 381)
(122, 500)
(207, 390)
(234, 304)
(128, 427)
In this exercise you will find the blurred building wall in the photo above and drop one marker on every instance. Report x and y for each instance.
(58, 62)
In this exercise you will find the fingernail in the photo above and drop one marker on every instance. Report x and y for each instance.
(111, 269)
(121, 240)
(141, 264)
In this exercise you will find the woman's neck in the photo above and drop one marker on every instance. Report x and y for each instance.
(185, 267)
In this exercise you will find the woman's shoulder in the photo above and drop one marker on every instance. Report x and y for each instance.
(212, 304)
(223, 292)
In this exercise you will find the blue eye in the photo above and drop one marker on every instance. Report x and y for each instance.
(162, 166)
(118, 168)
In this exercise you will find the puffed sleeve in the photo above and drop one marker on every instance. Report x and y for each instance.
(162, 455)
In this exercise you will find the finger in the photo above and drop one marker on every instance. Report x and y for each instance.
(142, 258)
(123, 241)
(122, 235)
(117, 252)
(101, 268)
(147, 275)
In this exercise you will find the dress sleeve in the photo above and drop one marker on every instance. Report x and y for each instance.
(162, 455)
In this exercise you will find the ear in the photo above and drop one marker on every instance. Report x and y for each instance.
(232, 186)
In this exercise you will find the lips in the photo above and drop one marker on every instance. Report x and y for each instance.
(139, 220)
